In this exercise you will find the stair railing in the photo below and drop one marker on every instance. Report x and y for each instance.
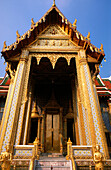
(35, 153)
(70, 154)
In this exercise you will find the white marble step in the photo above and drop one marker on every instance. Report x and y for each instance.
(52, 164)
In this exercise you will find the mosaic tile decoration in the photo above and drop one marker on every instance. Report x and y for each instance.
(98, 135)
(23, 152)
(85, 116)
(79, 127)
(13, 107)
(82, 152)
(11, 86)
(96, 98)
(19, 124)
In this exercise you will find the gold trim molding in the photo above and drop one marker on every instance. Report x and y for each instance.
(53, 57)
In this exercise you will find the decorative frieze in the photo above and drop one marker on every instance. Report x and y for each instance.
(53, 57)
(53, 43)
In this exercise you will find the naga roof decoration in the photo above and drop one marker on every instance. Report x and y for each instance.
(52, 16)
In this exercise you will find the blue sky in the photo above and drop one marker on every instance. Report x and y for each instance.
(92, 16)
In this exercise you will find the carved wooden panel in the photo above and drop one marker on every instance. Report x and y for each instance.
(52, 133)
(56, 141)
(48, 132)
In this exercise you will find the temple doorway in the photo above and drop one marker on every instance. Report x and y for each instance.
(52, 91)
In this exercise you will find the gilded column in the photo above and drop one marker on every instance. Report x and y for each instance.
(42, 131)
(79, 123)
(23, 103)
(6, 111)
(61, 131)
(78, 131)
(13, 109)
(77, 107)
(27, 118)
(109, 104)
(92, 117)
(38, 131)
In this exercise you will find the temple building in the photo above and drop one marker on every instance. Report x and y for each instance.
(52, 91)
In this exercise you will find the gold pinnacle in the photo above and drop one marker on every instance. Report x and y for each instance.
(53, 3)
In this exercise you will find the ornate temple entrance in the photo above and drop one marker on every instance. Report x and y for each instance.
(52, 59)
(52, 90)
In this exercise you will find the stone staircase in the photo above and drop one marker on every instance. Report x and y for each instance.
(52, 162)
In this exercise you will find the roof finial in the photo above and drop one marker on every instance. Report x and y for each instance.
(75, 22)
(54, 3)
(88, 36)
(17, 34)
(101, 48)
(4, 46)
(32, 22)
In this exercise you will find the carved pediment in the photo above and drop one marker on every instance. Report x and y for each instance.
(53, 30)
(53, 37)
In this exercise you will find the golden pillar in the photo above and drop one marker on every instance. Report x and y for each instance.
(23, 103)
(38, 131)
(79, 123)
(61, 131)
(109, 104)
(6, 111)
(92, 117)
(77, 107)
(10, 123)
(42, 131)
(25, 136)
(74, 102)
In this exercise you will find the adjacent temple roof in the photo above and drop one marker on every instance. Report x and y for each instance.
(52, 16)
(4, 85)
(103, 86)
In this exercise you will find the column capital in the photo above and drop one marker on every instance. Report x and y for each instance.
(82, 56)
(24, 55)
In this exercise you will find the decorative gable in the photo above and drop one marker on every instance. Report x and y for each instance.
(32, 36)
(53, 37)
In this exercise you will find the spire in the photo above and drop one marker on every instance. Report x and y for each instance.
(54, 3)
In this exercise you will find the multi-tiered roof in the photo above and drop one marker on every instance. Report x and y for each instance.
(52, 16)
